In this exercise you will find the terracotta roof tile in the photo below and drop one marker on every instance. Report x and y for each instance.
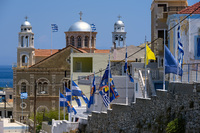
(190, 9)
(102, 51)
(45, 52)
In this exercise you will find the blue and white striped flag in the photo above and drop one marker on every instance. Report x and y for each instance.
(180, 48)
(93, 27)
(76, 91)
(54, 27)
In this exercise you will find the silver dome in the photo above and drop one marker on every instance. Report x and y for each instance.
(119, 23)
(80, 26)
(26, 23)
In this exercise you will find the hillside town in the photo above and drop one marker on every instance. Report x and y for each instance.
(150, 88)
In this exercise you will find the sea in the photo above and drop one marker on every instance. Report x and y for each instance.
(6, 76)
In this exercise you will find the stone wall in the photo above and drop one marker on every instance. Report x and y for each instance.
(153, 114)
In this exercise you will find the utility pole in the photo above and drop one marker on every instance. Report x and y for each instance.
(35, 107)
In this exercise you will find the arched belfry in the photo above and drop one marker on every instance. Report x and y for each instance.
(25, 49)
(81, 36)
(119, 34)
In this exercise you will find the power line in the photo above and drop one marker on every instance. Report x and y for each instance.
(143, 47)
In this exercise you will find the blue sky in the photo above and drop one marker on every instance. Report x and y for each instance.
(41, 14)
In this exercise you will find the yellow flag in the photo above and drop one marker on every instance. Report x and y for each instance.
(149, 55)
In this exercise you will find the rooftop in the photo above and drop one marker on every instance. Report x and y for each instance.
(191, 9)
(45, 52)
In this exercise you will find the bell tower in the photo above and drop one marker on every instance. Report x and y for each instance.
(119, 34)
(25, 49)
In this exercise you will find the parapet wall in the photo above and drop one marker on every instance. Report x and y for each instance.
(153, 114)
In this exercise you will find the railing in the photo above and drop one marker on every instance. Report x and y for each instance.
(173, 8)
(141, 82)
(153, 92)
(191, 72)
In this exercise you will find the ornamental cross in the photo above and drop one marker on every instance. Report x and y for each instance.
(119, 17)
(26, 18)
(80, 15)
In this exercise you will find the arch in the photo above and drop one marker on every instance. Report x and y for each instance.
(23, 85)
(27, 41)
(24, 60)
(79, 42)
(43, 86)
(92, 42)
(22, 41)
(72, 40)
(86, 41)
(42, 108)
(67, 84)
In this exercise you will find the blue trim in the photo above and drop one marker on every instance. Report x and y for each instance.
(195, 47)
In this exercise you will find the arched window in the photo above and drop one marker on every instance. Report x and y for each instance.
(79, 41)
(67, 84)
(86, 41)
(27, 41)
(23, 87)
(22, 41)
(24, 60)
(92, 42)
(42, 86)
(72, 40)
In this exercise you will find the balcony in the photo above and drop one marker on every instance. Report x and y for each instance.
(173, 8)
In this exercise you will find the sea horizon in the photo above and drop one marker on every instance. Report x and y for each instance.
(6, 76)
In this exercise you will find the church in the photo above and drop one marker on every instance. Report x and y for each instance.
(44, 71)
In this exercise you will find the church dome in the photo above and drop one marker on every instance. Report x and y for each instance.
(80, 26)
(119, 23)
(26, 23)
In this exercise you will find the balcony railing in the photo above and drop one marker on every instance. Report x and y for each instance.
(173, 8)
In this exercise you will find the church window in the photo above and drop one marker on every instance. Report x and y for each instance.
(86, 41)
(92, 42)
(25, 29)
(72, 40)
(24, 60)
(22, 41)
(23, 87)
(79, 41)
(27, 40)
(42, 87)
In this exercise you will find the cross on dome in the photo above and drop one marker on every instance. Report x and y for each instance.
(26, 18)
(119, 17)
(80, 15)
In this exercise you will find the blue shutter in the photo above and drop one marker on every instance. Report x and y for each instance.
(198, 47)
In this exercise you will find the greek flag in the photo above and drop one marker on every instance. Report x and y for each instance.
(54, 28)
(76, 91)
(93, 27)
(180, 48)
(126, 68)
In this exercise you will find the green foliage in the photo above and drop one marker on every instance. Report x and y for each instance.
(176, 126)
(47, 116)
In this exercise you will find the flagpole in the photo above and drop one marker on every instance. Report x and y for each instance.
(64, 100)
(109, 82)
(59, 105)
(164, 63)
(126, 79)
(71, 99)
(145, 90)
(51, 41)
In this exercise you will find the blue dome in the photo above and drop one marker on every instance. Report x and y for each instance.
(80, 26)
